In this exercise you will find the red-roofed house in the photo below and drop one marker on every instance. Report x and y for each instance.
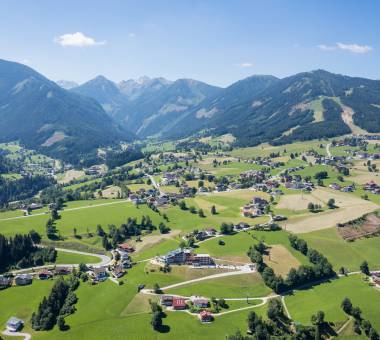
(205, 316)
(179, 303)
(125, 247)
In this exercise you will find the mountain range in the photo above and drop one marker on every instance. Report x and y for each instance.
(43, 116)
(70, 123)
(260, 108)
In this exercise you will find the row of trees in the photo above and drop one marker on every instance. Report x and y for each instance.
(320, 269)
(21, 251)
(360, 325)
(60, 303)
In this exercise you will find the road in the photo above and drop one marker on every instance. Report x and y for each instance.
(69, 209)
(26, 336)
(154, 183)
(105, 260)
(328, 149)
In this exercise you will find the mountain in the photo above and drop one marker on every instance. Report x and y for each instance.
(305, 106)
(154, 114)
(67, 84)
(43, 116)
(105, 92)
(148, 105)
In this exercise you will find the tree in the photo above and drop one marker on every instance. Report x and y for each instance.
(331, 203)
(61, 323)
(364, 268)
(36, 237)
(51, 230)
(213, 210)
(275, 309)
(373, 335)
(156, 320)
(347, 306)
(201, 184)
(192, 209)
(310, 206)
(182, 205)
(156, 288)
(99, 230)
(201, 213)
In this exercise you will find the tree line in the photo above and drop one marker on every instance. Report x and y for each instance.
(21, 251)
(60, 303)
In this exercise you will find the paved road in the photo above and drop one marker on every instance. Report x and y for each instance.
(26, 336)
(65, 210)
(105, 260)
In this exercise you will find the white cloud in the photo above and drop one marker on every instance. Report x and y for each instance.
(326, 47)
(77, 39)
(353, 48)
(131, 35)
(246, 64)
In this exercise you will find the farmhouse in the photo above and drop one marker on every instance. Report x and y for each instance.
(23, 279)
(14, 324)
(199, 301)
(166, 300)
(179, 303)
(45, 275)
(125, 248)
(118, 271)
(205, 316)
(100, 274)
(5, 281)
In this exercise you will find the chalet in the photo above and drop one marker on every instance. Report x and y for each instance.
(118, 271)
(179, 303)
(166, 300)
(200, 302)
(23, 279)
(45, 275)
(241, 226)
(125, 248)
(205, 316)
(100, 273)
(14, 324)
(169, 178)
(5, 281)
(126, 264)
(348, 188)
(335, 186)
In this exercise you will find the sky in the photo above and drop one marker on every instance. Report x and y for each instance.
(215, 41)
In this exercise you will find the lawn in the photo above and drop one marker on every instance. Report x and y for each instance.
(237, 286)
(342, 253)
(70, 258)
(328, 297)
(236, 246)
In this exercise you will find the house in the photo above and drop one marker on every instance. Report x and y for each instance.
(335, 186)
(205, 316)
(45, 275)
(62, 271)
(118, 271)
(166, 300)
(5, 281)
(201, 260)
(100, 273)
(348, 188)
(200, 302)
(125, 248)
(14, 324)
(23, 279)
(179, 303)
(279, 218)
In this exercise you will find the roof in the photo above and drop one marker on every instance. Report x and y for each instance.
(204, 313)
(13, 321)
(125, 246)
(179, 302)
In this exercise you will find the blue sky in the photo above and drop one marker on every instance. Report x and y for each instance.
(215, 41)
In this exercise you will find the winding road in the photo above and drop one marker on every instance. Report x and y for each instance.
(26, 336)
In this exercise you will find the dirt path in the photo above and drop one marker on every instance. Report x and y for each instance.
(347, 116)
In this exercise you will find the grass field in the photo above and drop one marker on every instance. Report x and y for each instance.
(70, 258)
(328, 297)
(342, 253)
(237, 286)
